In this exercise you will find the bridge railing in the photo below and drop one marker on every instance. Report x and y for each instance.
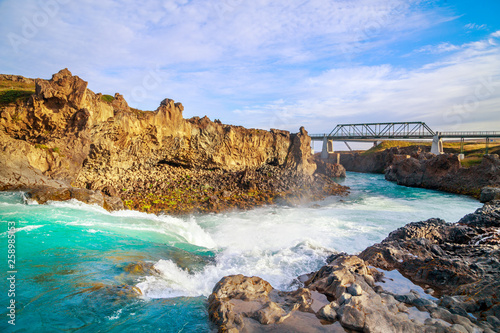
(353, 135)
(471, 134)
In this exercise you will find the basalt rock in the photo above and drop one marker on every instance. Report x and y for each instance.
(65, 136)
(489, 194)
(378, 162)
(328, 169)
(344, 296)
(444, 172)
(459, 260)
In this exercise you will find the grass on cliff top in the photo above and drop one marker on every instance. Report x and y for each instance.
(107, 98)
(12, 92)
(393, 143)
(471, 148)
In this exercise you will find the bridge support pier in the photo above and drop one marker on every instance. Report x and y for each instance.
(437, 145)
(327, 148)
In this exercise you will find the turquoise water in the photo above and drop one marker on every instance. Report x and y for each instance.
(72, 259)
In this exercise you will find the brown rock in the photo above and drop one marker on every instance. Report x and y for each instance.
(67, 135)
(63, 87)
(444, 172)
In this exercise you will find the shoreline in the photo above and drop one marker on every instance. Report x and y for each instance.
(415, 166)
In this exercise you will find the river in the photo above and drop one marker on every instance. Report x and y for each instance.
(76, 269)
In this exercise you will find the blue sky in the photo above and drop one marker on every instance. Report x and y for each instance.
(272, 64)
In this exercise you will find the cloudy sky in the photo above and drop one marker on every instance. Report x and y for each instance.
(272, 64)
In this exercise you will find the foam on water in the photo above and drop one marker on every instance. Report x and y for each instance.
(280, 243)
(72, 252)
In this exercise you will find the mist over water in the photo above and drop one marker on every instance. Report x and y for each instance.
(75, 256)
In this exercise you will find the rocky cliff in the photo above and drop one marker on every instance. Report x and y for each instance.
(445, 173)
(377, 162)
(64, 134)
(415, 166)
(458, 263)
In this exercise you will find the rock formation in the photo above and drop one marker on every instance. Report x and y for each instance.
(444, 172)
(377, 162)
(66, 136)
(460, 262)
(415, 166)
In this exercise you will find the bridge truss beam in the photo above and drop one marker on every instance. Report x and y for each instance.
(382, 130)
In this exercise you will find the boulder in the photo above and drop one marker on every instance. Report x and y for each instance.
(489, 194)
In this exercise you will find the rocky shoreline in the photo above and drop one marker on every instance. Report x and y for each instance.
(415, 166)
(457, 263)
(66, 142)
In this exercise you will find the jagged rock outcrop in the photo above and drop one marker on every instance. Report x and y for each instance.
(444, 172)
(342, 296)
(460, 262)
(240, 303)
(378, 162)
(65, 134)
(489, 194)
(328, 168)
(461, 259)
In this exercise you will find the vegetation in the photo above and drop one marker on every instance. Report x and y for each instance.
(107, 98)
(390, 144)
(471, 148)
(470, 161)
(14, 92)
(14, 96)
(47, 148)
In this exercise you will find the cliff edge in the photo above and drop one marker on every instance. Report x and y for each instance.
(64, 136)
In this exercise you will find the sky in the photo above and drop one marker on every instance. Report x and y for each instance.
(272, 64)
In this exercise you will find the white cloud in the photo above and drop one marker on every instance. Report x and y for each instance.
(278, 63)
(459, 92)
(440, 48)
(474, 26)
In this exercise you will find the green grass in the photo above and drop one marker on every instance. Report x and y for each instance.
(12, 92)
(471, 148)
(107, 98)
(392, 143)
(13, 96)
(470, 161)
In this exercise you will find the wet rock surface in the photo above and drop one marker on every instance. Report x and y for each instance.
(65, 136)
(459, 263)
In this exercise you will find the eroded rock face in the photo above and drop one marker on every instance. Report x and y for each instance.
(67, 135)
(444, 172)
(461, 259)
(328, 169)
(380, 161)
(489, 194)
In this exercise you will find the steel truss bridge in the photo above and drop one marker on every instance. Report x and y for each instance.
(395, 131)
